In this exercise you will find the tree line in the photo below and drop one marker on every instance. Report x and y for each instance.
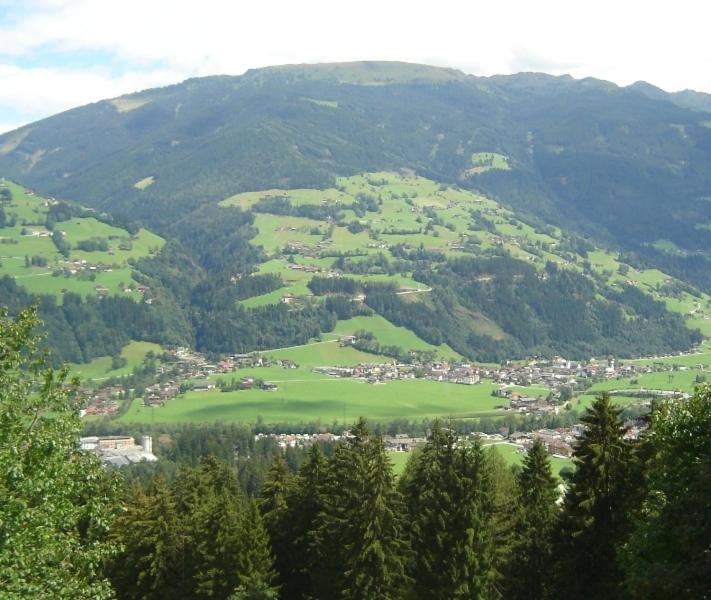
(458, 523)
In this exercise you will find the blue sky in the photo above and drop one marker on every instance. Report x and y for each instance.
(57, 54)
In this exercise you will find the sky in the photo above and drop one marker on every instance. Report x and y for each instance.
(58, 54)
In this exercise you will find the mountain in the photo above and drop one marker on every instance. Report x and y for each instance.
(625, 165)
(685, 98)
(498, 216)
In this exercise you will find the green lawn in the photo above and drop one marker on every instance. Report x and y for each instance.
(399, 461)
(665, 380)
(687, 360)
(391, 335)
(513, 455)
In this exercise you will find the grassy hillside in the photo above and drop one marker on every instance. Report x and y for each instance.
(371, 215)
(98, 257)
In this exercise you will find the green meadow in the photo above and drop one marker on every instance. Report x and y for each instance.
(391, 335)
(326, 400)
(513, 455)
(58, 274)
(100, 368)
(304, 396)
(419, 213)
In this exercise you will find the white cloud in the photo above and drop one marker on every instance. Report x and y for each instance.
(619, 41)
(53, 90)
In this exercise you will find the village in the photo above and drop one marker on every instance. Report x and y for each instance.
(182, 370)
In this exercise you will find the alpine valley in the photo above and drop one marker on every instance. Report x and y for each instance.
(384, 210)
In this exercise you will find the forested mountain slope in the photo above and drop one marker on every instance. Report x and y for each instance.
(500, 216)
(587, 154)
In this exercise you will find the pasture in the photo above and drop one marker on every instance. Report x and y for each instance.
(514, 454)
(325, 400)
(100, 368)
(415, 212)
(98, 258)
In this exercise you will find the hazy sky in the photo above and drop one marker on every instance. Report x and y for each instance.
(56, 54)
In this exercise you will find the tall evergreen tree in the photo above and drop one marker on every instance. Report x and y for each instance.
(359, 529)
(277, 490)
(669, 553)
(151, 564)
(598, 507)
(453, 513)
(530, 569)
(305, 504)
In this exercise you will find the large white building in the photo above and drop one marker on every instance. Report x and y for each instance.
(119, 450)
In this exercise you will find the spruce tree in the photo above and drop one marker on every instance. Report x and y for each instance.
(358, 534)
(302, 568)
(456, 517)
(530, 569)
(151, 563)
(598, 506)
(230, 542)
(277, 490)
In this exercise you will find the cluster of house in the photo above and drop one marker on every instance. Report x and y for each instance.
(119, 450)
(551, 374)
(313, 269)
(104, 401)
(371, 372)
(298, 440)
(183, 370)
(558, 371)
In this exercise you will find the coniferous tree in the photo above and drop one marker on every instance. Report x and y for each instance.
(278, 488)
(229, 542)
(199, 538)
(598, 507)
(530, 569)
(456, 517)
(358, 531)
(151, 563)
(668, 555)
(305, 504)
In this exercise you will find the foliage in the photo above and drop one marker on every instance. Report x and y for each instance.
(667, 554)
(57, 502)
(529, 572)
(196, 538)
(605, 492)
(453, 516)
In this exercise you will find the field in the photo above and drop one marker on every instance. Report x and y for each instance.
(416, 212)
(399, 461)
(325, 400)
(487, 161)
(511, 453)
(390, 335)
(683, 381)
(99, 255)
(100, 368)
(305, 396)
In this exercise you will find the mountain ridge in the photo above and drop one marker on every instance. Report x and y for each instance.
(597, 158)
